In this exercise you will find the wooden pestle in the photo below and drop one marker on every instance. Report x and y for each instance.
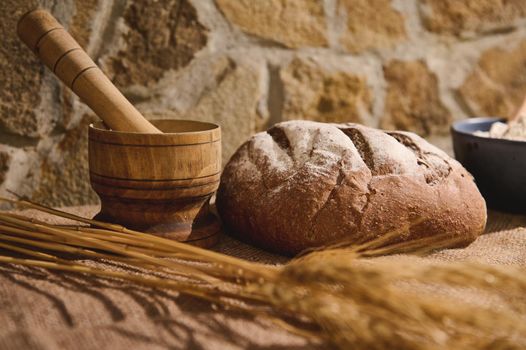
(43, 34)
(521, 113)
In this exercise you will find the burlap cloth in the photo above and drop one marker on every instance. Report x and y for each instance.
(51, 310)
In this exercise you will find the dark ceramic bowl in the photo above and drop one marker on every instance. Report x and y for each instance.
(499, 166)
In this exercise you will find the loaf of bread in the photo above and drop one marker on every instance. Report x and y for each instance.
(303, 184)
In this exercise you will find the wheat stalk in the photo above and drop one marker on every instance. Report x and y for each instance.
(336, 294)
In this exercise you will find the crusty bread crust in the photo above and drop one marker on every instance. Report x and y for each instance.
(303, 184)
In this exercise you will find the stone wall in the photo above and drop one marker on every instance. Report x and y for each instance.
(246, 64)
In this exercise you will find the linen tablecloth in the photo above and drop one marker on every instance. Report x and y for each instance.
(43, 310)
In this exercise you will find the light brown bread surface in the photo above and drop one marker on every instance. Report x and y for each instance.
(303, 184)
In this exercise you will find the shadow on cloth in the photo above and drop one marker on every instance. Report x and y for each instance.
(161, 318)
(501, 221)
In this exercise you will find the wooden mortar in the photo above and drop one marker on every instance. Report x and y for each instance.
(159, 183)
(146, 179)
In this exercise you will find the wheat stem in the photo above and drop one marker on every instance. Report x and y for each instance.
(203, 253)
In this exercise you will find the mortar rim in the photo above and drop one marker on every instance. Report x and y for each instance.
(95, 127)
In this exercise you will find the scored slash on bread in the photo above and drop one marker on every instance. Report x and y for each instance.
(304, 184)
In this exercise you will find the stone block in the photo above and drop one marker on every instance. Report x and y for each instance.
(413, 101)
(328, 95)
(292, 23)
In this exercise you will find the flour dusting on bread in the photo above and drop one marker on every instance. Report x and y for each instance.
(302, 184)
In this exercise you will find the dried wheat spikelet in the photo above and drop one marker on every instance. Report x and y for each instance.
(341, 295)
